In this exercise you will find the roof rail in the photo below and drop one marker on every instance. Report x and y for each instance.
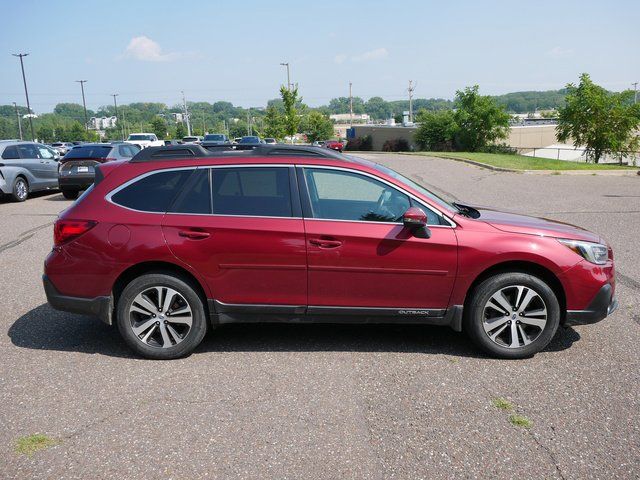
(197, 151)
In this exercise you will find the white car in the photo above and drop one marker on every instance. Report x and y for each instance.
(144, 140)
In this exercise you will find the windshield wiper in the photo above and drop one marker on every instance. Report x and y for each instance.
(466, 210)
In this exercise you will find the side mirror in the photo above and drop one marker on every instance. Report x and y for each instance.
(415, 220)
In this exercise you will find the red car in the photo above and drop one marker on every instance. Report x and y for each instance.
(179, 240)
(334, 145)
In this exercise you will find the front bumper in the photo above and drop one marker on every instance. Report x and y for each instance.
(603, 304)
(101, 307)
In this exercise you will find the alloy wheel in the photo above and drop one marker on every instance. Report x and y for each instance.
(160, 317)
(21, 189)
(514, 316)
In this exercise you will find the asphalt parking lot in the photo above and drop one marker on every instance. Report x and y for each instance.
(278, 401)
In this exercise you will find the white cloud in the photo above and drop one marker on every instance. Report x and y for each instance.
(376, 54)
(146, 50)
(340, 58)
(559, 52)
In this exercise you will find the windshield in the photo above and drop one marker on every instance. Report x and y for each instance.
(89, 151)
(141, 137)
(214, 138)
(416, 186)
(249, 140)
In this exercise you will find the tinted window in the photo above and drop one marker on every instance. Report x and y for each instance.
(342, 195)
(127, 151)
(256, 191)
(28, 151)
(89, 151)
(214, 138)
(196, 195)
(10, 153)
(153, 193)
(150, 138)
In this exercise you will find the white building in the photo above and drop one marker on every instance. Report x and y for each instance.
(346, 117)
(102, 123)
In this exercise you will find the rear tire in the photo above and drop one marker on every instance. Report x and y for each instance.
(70, 194)
(512, 315)
(161, 316)
(20, 190)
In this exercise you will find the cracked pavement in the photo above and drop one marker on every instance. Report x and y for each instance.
(327, 401)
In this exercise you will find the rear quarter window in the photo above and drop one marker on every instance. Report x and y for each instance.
(152, 193)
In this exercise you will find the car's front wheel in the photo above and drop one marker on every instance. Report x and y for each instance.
(512, 315)
(161, 316)
(20, 190)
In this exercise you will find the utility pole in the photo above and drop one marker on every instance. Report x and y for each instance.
(84, 104)
(635, 92)
(204, 127)
(115, 104)
(186, 114)
(289, 85)
(249, 129)
(411, 89)
(15, 105)
(350, 106)
(26, 93)
(124, 123)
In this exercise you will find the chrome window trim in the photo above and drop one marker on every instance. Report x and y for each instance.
(435, 211)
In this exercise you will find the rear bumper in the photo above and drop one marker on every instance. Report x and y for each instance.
(100, 307)
(75, 182)
(603, 304)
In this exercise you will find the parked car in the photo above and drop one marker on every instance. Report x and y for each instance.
(270, 141)
(27, 167)
(215, 139)
(77, 168)
(172, 142)
(144, 140)
(334, 145)
(62, 147)
(250, 140)
(191, 139)
(297, 234)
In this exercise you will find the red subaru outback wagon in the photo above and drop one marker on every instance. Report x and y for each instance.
(179, 240)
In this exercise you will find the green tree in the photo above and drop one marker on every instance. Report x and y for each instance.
(45, 133)
(436, 130)
(480, 120)
(291, 117)
(273, 123)
(159, 127)
(377, 108)
(602, 122)
(77, 132)
(180, 131)
(317, 126)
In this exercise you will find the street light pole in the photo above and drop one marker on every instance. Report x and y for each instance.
(84, 104)
(350, 106)
(411, 89)
(115, 104)
(635, 92)
(288, 75)
(15, 105)
(186, 114)
(26, 92)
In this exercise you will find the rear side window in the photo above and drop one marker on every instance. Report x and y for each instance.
(28, 151)
(196, 195)
(11, 153)
(153, 193)
(90, 151)
(127, 151)
(255, 191)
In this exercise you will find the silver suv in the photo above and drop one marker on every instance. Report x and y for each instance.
(27, 167)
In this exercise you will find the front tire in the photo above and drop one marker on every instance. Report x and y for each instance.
(512, 315)
(161, 316)
(20, 190)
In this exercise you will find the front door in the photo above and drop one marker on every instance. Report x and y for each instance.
(241, 229)
(359, 253)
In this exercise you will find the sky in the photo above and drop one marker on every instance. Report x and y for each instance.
(152, 50)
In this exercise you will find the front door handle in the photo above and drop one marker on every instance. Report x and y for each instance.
(193, 234)
(325, 242)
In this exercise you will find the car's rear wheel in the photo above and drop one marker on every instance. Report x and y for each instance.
(20, 189)
(512, 315)
(161, 316)
(70, 194)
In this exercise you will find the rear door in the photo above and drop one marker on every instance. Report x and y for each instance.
(30, 159)
(240, 227)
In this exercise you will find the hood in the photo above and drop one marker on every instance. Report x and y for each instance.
(523, 224)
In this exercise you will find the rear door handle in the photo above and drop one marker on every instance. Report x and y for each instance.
(325, 242)
(193, 234)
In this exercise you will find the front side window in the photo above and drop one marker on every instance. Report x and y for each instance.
(153, 193)
(255, 191)
(45, 153)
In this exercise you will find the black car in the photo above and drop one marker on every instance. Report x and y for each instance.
(250, 140)
(76, 170)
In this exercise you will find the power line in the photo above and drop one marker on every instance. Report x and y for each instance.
(26, 92)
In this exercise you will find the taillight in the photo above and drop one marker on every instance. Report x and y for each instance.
(66, 230)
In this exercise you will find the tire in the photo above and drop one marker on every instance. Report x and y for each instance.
(167, 337)
(533, 316)
(20, 190)
(70, 194)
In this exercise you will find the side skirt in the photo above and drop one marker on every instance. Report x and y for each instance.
(253, 313)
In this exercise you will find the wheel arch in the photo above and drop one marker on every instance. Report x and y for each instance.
(530, 268)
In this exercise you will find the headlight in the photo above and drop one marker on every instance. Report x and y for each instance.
(591, 252)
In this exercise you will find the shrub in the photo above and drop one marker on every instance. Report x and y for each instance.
(396, 145)
(436, 130)
(362, 144)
